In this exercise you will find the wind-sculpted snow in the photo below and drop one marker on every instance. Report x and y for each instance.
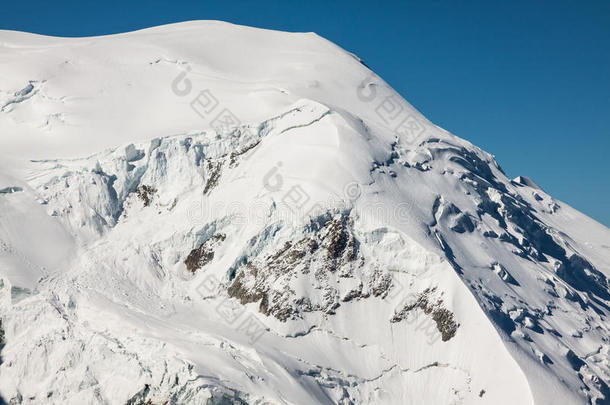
(286, 232)
(504, 219)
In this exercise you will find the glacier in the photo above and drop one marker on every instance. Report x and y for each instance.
(209, 213)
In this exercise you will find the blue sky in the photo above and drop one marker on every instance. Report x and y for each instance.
(528, 81)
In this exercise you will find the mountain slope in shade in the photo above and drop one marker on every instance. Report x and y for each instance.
(209, 213)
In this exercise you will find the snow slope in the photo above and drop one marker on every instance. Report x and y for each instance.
(209, 213)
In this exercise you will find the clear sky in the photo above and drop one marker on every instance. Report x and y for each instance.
(528, 81)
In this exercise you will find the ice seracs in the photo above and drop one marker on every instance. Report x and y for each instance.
(233, 215)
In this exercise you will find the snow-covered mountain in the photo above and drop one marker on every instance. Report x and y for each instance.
(213, 214)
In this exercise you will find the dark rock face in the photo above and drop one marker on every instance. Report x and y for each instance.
(444, 319)
(146, 194)
(2, 343)
(326, 257)
(214, 170)
(204, 254)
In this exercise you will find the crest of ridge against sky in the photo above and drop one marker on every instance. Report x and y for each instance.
(528, 82)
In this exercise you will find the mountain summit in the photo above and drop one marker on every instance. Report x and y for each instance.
(213, 214)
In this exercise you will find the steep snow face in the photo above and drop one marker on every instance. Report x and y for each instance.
(260, 219)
